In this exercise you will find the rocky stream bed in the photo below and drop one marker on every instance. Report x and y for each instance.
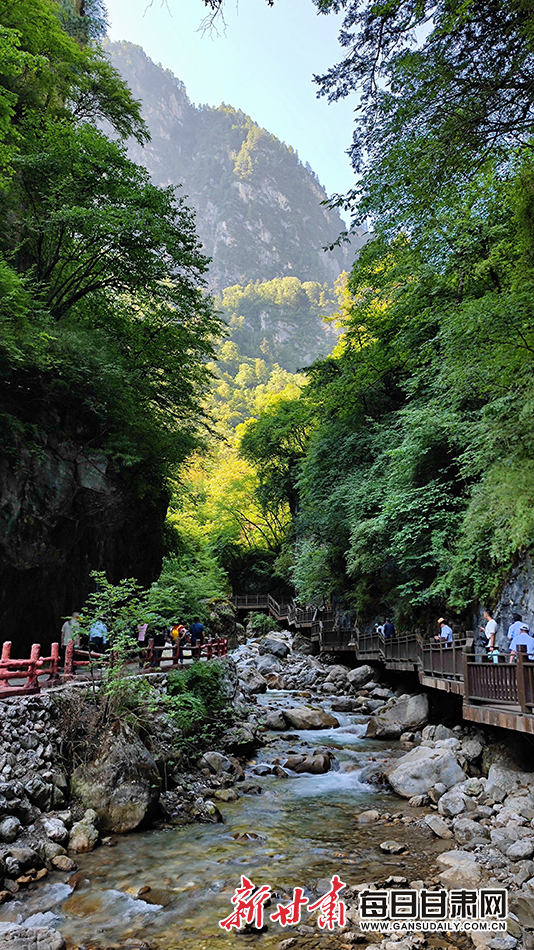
(330, 772)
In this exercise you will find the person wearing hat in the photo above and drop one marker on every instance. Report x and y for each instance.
(445, 632)
(522, 638)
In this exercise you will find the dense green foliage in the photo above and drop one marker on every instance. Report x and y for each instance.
(414, 490)
(102, 309)
(415, 487)
(441, 88)
(281, 319)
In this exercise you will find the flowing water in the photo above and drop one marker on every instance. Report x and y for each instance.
(298, 832)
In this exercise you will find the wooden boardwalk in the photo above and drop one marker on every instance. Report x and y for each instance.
(494, 694)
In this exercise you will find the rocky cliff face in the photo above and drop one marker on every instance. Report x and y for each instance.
(65, 510)
(517, 597)
(259, 211)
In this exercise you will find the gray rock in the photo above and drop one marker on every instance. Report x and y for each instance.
(407, 713)
(252, 681)
(392, 847)
(452, 804)
(522, 804)
(31, 938)
(521, 850)
(314, 764)
(438, 826)
(437, 732)
(275, 720)
(337, 674)
(215, 762)
(419, 801)
(472, 749)
(502, 838)
(344, 704)
(522, 905)
(10, 828)
(467, 831)
(421, 769)
(523, 871)
(510, 780)
(55, 830)
(368, 817)
(206, 811)
(27, 857)
(268, 664)
(460, 870)
(276, 647)
(121, 783)
(48, 850)
(380, 728)
(308, 717)
(242, 740)
(84, 833)
(359, 676)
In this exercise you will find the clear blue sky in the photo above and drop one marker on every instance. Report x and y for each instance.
(263, 63)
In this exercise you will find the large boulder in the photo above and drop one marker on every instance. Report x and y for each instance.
(315, 764)
(275, 720)
(268, 664)
(407, 713)
(121, 783)
(215, 762)
(338, 674)
(380, 728)
(359, 676)
(309, 717)
(460, 870)
(252, 681)
(422, 768)
(274, 647)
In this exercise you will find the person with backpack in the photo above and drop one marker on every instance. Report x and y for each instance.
(196, 632)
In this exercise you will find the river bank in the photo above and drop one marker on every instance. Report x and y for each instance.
(406, 806)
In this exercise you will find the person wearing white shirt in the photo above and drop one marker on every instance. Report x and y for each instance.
(490, 629)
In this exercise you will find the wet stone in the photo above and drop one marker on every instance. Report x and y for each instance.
(392, 847)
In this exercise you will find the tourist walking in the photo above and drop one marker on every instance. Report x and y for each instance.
(70, 631)
(515, 626)
(489, 630)
(445, 632)
(389, 629)
(98, 636)
(523, 638)
(196, 632)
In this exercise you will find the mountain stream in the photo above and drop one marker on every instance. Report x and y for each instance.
(299, 831)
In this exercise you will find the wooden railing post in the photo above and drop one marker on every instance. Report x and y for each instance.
(68, 671)
(33, 665)
(465, 668)
(6, 651)
(54, 662)
(520, 673)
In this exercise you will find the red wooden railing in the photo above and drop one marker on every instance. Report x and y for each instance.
(31, 670)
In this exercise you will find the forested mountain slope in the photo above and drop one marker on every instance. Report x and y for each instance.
(258, 208)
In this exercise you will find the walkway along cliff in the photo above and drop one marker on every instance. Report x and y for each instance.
(495, 694)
